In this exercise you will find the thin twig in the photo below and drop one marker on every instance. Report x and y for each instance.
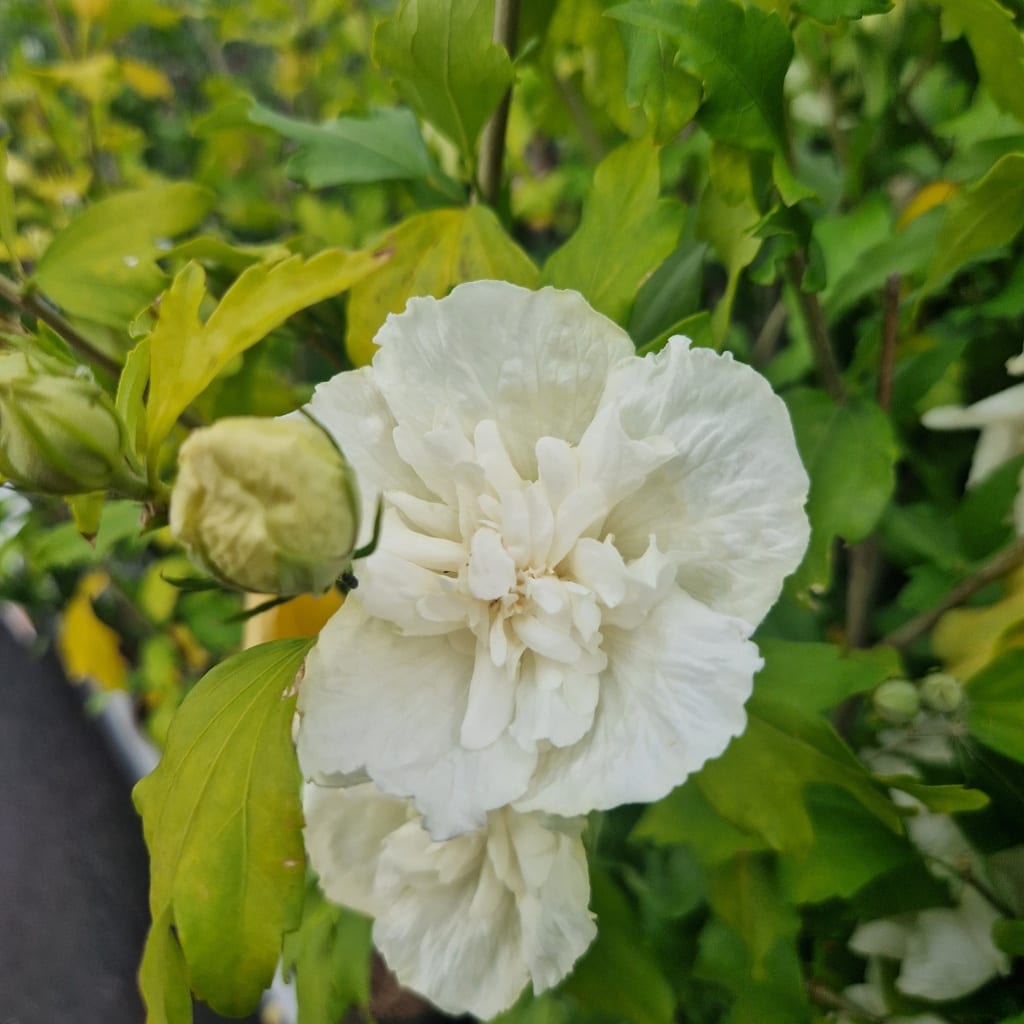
(574, 103)
(492, 145)
(996, 567)
(30, 302)
(817, 332)
(829, 1000)
(890, 333)
(768, 336)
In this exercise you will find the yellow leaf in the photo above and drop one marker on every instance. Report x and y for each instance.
(967, 639)
(91, 77)
(186, 354)
(302, 616)
(431, 253)
(933, 194)
(146, 81)
(89, 648)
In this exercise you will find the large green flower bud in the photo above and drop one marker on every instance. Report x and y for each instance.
(59, 434)
(268, 505)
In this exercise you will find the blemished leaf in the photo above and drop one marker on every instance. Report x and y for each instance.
(758, 783)
(984, 217)
(385, 145)
(163, 976)
(223, 823)
(619, 975)
(446, 65)
(102, 266)
(850, 454)
(625, 232)
(851, 847)
(429, 254)
(817, 677)
(329, 956)
(187, 354)
(829, 12)
(995, 705)
(740, 53)
(997, 45)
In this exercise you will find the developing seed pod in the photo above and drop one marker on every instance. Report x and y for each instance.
(267, 505)
(58, 434)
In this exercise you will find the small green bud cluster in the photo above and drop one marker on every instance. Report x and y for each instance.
(266, 505)
(899, 700)
(59, 431)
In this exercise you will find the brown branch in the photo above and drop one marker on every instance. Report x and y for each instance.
(817, 332)
(996, 567)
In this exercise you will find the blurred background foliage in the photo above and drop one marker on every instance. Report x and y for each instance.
(833, 190)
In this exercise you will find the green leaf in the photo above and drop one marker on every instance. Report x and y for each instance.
(997, 45)
(163, 976)
(445, 65)
(187, 354)
(829, 12)
(669, 295)
(329, 955)
(1009, 936)
(131, 394)
(946, 799)
(619, 975)
(223, 823)
(385, 145)
(429, 254)
(741, 54)
(817, 677)
(986, 216)
(850, 454)
(625, 232)
(745, 894)
(995, 709)
(758, 783)
(8, 223)
(102, 266)
(685, 818)
(851, 847)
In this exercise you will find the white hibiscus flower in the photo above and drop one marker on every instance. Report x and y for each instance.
(577, 546)
(466, 922)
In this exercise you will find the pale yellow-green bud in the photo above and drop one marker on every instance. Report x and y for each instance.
(942, 692)
(268, 505)
(59, 434)
(896, 700)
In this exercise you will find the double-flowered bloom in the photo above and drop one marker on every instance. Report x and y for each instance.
(577, 545)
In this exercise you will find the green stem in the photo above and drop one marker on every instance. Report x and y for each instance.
(492, 145)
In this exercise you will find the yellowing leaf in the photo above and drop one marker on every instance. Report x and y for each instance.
(90, 10)
(186, 354)
(89, 648)
(430, 254)
(302, 616)
(933, 194)
(146, 81)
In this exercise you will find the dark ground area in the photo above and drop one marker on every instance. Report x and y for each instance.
(73, 867)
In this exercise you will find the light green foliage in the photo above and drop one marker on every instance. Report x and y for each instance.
(163, 975)
(329, 955)
(618, 975)
(625, 232)
(995, 710)
(186, 353)
(429, 254)
(740, 53)
(758, 783)
(223, 823)
(828, 12)
(8, 222)
(446, 65)
(986, 216)
(849, 453)
(103, 265)
(997, 44)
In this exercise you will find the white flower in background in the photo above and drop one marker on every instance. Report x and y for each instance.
(577, 545)
(466, 922)
(1000, 418)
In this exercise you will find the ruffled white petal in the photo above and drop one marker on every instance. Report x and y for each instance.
(671, 698)
(392, 705)
(534, 362)
(467, 922)
(729, 504)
